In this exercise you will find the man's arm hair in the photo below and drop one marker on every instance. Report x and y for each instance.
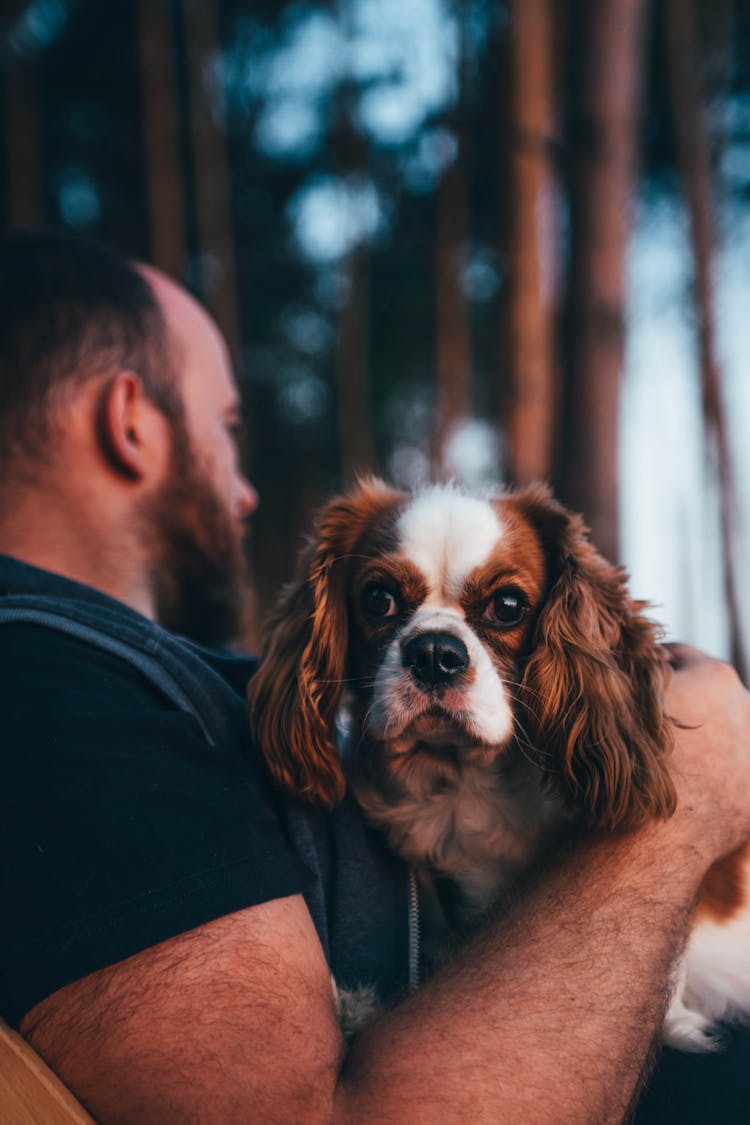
(231, 1021)
(548, 1015)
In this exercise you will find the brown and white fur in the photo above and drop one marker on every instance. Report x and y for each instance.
(501, 685)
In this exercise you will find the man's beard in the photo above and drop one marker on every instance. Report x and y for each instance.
(200, 571)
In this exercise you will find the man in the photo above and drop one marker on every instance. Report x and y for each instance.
(164, 947)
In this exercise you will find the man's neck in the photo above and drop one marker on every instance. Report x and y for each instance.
(49, 537)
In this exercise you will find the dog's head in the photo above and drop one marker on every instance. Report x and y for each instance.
(457, 624)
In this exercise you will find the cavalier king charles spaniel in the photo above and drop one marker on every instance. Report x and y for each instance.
(499, 685)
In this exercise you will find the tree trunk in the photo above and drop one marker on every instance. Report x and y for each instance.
(530, 407)
(356, 448)
(453, 356)
(25, 202)
(161, 133)
(352, 360)
(213, 200)
(693, 157)
(606, 79)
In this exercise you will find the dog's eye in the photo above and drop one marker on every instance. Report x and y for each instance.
(506, 609)
(379, 602)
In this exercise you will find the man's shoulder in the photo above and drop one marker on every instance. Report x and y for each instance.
(50, 660)
(44, 672)
(47, 619)
(66, 639)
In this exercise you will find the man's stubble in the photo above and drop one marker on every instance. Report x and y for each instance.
(200, 570)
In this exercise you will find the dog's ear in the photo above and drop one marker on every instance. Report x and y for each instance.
(295, 694)
(593, 687)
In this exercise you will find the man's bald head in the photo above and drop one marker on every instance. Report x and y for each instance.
(181, 312)
(71, 310)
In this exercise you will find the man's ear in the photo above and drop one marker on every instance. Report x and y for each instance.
(133, 433)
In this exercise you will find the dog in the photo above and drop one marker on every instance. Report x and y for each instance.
(501, 687)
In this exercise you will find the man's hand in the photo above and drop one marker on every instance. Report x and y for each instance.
(711, 763)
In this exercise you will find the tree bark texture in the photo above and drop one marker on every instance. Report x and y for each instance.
(356, 447)
(161, 137)
(213, 201)
(453, 351)
(530, 406)
(23, 141)
(694, 162)
(352, 360)
(607, 51)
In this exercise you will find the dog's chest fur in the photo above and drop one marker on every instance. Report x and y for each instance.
(467, 832)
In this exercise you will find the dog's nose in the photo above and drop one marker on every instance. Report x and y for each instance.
(435, 658)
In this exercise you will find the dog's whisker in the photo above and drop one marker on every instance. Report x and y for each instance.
(361, 681)
(523, 689)
(366, 717)
(533, 753)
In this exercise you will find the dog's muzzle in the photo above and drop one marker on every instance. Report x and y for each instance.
(435, 659)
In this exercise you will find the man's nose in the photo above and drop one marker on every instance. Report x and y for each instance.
(247, 499)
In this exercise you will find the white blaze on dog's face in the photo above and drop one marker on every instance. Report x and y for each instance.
(443, 599)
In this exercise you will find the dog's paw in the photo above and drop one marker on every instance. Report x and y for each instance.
(688, 1030)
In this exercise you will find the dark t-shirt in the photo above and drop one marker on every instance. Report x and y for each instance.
(123, 824)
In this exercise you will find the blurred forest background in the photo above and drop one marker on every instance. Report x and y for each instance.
(495, 240)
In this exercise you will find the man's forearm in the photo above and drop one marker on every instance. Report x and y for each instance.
(550, 1014)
